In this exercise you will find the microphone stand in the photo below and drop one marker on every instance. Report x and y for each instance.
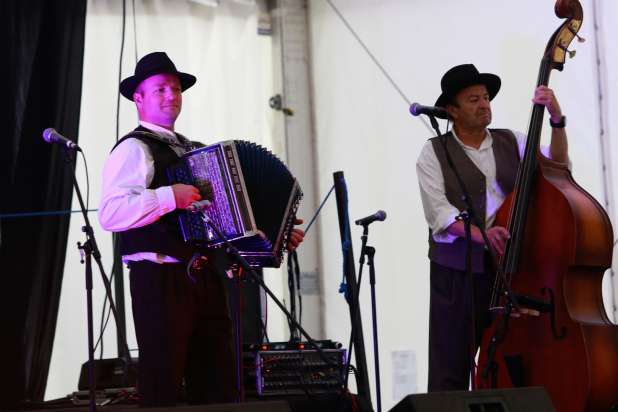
(468, 216)
(293, 287)
(233, 252)
(236, 297)
(87, 250)
(369, 252)
(465, 218)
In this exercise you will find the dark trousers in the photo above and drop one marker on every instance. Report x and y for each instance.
(450, 325)
(184, 330)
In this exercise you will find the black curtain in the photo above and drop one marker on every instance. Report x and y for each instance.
(41, 72)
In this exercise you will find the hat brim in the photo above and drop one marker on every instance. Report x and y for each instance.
(128, 85)
(490, 81)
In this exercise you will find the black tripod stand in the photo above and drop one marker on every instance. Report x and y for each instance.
(369, 252)
(235, 255)
(88, 250)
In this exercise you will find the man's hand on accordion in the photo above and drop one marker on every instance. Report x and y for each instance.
(184, 195)
(206, 189)
(296, 236)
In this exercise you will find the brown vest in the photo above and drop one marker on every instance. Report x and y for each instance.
(506, 153)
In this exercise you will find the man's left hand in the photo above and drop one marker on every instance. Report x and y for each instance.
(545, 96)
(296, 236)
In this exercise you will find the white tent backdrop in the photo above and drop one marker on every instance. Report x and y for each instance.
(362, 127)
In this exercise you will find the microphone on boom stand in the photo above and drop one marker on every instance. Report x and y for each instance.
(417, 109)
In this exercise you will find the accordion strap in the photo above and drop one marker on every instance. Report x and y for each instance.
(182, 142)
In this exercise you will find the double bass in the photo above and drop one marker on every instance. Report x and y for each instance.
(550, 327)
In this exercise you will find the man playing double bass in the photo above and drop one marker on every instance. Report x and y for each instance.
(487, 160)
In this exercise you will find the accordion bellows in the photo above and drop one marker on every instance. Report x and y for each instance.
(254, 199)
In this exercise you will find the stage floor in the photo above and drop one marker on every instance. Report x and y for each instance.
(261, 406)
(297, 403)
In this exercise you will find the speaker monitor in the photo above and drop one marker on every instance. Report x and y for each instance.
(496, 400)
(109, 373)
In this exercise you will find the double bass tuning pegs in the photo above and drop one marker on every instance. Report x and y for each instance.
(579, 38)
(571, 53)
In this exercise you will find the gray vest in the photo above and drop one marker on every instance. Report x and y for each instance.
(506, 153)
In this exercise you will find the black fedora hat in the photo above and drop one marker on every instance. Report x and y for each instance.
(462, 76)
(150, 65)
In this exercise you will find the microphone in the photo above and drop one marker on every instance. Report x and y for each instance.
(198, 206)
(418, 109)
(379, 215)
(50, 135)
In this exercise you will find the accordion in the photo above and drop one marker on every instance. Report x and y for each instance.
(253, 203)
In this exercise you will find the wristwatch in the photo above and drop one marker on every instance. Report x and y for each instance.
(559, 124)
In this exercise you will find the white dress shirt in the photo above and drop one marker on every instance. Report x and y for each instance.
(439, 213)
(126, 203)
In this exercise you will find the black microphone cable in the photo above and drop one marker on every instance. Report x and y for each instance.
(375, 60)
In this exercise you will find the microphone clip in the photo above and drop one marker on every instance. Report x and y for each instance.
(198, 206)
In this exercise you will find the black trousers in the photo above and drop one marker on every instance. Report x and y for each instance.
(184, 331)
(450, 325)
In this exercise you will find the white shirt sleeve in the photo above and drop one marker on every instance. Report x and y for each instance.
(439, 212)
(126, 203)
(521, 143)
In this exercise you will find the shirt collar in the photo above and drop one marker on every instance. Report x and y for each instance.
(486, 144)
(161, 131)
